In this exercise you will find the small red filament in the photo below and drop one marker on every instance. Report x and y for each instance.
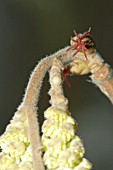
(64, 74)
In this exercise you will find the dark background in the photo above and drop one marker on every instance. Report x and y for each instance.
(32, 29)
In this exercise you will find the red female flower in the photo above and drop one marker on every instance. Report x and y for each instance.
(79, 43)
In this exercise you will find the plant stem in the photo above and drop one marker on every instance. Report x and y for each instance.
(102, 75)
(31, 97)
(29, 104)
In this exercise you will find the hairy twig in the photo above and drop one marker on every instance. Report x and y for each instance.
(33, 89)
(102, 76)
(30, 101)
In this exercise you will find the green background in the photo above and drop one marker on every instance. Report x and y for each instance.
(32, 29)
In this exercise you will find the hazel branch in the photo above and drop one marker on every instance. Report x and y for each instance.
(30, 101)
(102, 76)
(29, 105)
(33, 89)
(25, 150)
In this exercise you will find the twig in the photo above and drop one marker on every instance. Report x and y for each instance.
(102, 75)
(30, 101)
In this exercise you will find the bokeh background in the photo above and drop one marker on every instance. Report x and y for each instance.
(32, 29)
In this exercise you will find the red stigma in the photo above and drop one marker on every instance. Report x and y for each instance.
(79, 43)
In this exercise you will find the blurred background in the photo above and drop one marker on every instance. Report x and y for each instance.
(32, 29)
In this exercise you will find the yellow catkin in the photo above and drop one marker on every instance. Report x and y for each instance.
(15, 145)
(62, 148)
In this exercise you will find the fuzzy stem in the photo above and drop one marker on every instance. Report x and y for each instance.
(102, 75)
(29, 105)
(30, 101)
(32, 95)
